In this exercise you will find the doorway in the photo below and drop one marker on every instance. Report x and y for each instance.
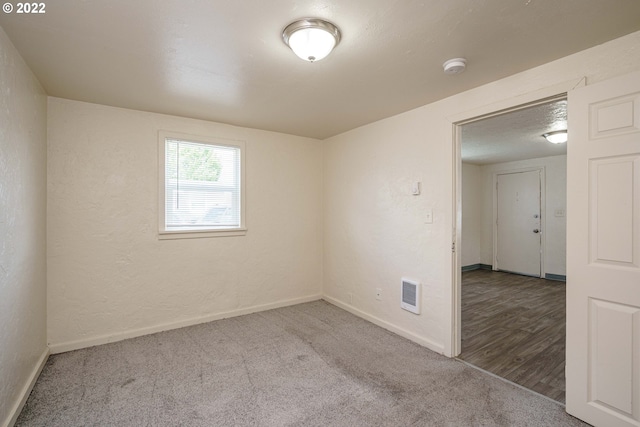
(504, 322)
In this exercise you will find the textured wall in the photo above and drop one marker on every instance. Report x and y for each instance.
(555, 230)
(110, 277)
(23, 146)
(472, 214)
(375, 231)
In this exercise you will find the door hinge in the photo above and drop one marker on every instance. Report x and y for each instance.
(453, 247)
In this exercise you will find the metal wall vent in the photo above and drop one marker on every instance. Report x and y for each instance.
(410, 295)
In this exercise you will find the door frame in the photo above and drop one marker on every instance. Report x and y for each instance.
(542, 173)
(453, 334)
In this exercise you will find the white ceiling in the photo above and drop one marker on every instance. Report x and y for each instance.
(224, 60)
(516, 135)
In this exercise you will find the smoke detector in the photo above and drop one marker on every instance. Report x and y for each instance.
(454, 66)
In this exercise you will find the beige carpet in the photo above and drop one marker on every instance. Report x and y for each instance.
(307, 365)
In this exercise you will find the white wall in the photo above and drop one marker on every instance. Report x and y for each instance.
(472, 214)
(555, 230)
(23, 146)
(110, 277)
(375, 231)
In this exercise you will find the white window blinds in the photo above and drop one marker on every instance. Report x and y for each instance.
(202, 186)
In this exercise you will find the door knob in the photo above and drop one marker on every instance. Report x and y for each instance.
(536, 231)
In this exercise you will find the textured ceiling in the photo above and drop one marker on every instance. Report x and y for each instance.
(516, 135)
(224, 60)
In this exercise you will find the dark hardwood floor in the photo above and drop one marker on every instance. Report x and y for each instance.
(514, 327)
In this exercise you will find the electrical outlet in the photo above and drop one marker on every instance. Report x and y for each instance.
(378, 294)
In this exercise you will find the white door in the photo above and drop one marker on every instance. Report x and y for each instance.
(603, 253)
(518, 223)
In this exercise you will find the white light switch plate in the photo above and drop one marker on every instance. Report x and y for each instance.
(429, 217)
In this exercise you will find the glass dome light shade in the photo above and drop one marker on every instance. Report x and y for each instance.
(557, 137)
(311, 39)
(311, 44)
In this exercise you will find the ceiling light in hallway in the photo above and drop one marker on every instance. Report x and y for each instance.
(556, 137)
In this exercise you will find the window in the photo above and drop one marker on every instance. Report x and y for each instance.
(200, 186)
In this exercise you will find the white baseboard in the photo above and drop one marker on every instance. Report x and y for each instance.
(425, 342)
(26, 390)
(109, 338)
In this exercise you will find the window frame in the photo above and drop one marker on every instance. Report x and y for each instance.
(163, 233)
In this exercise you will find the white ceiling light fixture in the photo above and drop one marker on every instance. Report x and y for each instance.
(454, 66)
(556, 137)
(311, 38)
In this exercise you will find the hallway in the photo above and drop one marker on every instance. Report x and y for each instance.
(514, 327)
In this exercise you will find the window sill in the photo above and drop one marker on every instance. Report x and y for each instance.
(200, 234)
